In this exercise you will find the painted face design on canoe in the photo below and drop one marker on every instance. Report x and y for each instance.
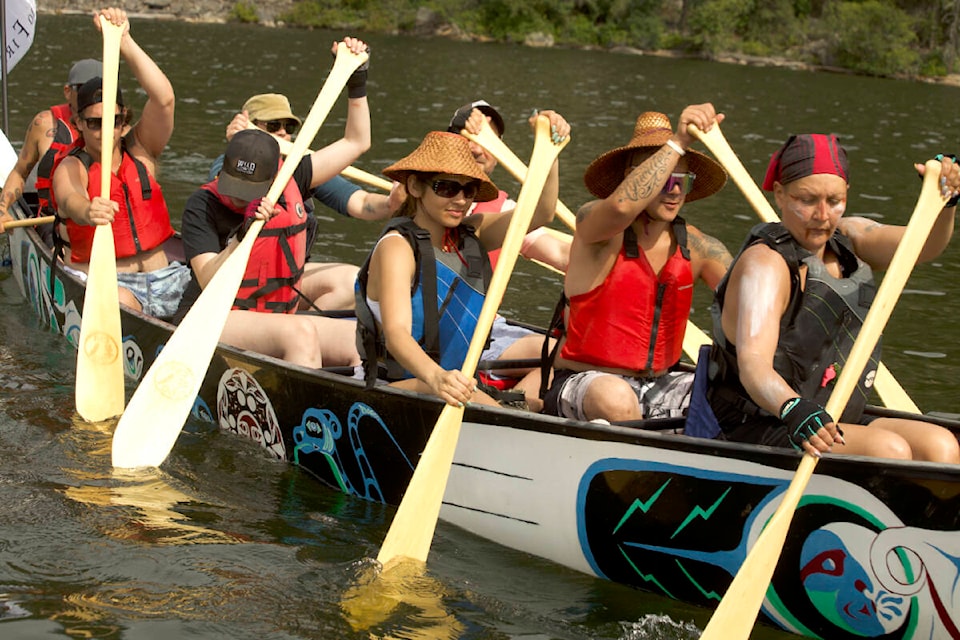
(840, 587)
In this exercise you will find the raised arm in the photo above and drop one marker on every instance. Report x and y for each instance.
(603, 219)
(492, 227)
(876, 243)
(336, 156)
(153, 130)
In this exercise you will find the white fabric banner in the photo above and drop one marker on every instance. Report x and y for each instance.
(21, 18)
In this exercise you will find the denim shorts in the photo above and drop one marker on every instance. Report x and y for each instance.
(159, 291)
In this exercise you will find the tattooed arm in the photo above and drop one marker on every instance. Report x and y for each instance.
(644, 174)
(710, 258)
(37, 140)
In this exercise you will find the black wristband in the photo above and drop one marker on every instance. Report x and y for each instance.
(357, 84)
(803, 418)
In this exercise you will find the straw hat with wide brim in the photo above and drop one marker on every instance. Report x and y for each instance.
(652, 130)
(444, 152)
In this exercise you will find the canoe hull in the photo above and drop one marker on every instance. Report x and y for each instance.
(874, 549)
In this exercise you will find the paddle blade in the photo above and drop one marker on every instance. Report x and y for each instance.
(411, 531)
(737, 612)
(99, 390)
(160, 406)
(162, 402)
(99, 387)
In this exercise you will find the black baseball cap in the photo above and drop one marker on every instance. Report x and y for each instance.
(459, 119)
(91, 92)
(250, 165)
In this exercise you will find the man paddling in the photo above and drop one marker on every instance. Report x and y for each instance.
(788, 312)
(215, 216)
(633, 264)
(50, 136)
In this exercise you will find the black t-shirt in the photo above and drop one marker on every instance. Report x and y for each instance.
(207, 226)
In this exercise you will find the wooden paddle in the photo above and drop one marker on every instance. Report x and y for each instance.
(99, 385)
(890, 391)
(411, 531)
(737, 611)
(29, 222)
(161, 404)
(286, 147)
(492, 143)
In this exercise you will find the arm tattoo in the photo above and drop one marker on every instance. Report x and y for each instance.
(709, 248)
(585, 211)
(641, 183)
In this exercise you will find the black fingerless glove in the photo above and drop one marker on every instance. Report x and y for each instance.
(357, 83)
(803, 418)
(952, 202)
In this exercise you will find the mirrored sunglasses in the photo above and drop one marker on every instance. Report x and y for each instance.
(273, 126)
(684, 180)
(450, 188)
(94, 124)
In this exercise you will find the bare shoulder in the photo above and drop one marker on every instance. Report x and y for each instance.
(43, 125)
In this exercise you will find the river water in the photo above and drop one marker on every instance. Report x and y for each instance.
(223, 543)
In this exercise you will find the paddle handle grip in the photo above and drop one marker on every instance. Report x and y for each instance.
(28, 222)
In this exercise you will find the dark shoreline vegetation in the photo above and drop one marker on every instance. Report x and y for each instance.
(905, 39)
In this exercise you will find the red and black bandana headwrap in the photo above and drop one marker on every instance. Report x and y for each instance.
(805, 155)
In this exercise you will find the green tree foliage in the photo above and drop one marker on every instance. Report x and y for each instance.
(873, 37)
(869, 36)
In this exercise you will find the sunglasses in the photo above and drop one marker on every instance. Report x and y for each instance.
(683, 180)
(94, 124)
(273, 126)
(450, 188)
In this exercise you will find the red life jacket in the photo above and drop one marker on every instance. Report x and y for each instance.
(635, 319)
(66, 138)
(277, 258)
(142, 223)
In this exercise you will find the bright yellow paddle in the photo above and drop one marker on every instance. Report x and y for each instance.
(737, 611)
(411, 531)
(158, 409)
(99, 387)
(891, 393)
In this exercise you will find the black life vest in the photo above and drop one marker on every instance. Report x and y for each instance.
(430, 319)
(817, 331)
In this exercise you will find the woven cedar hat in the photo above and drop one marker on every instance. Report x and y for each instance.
(444, 152)
(652, 130)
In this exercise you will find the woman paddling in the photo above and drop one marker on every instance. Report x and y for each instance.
(416, 316)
